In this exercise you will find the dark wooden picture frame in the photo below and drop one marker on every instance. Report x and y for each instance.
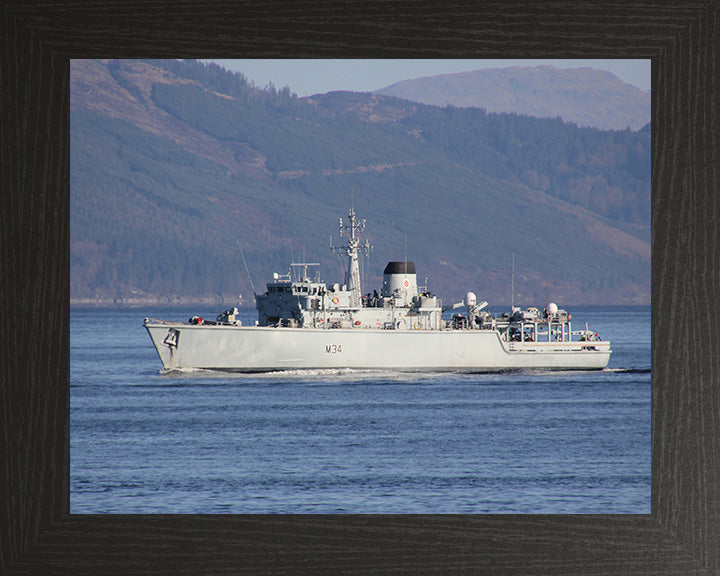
(681, 535)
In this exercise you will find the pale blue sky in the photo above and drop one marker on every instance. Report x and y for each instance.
(306, 77)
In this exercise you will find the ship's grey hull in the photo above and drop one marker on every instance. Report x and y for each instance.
(259, 349)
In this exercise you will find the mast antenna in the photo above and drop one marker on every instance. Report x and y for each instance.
(351, 250)
(405, 261)
(512, 285)
(246, 266)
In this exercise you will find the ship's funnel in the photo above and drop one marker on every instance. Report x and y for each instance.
(400, 281)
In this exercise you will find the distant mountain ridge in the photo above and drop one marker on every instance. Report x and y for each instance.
(585, 96)
(175, 164)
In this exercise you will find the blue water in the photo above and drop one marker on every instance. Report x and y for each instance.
(354, 441)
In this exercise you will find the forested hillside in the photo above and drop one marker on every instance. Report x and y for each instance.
(177, 166)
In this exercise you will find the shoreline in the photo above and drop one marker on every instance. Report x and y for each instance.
(170, 302)
(90, 303)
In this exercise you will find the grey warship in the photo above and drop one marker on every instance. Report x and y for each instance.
(308, 324)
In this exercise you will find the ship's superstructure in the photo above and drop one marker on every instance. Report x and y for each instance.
(304, 323)
(311, 304)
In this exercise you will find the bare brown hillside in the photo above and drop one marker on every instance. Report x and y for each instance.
(585, 96)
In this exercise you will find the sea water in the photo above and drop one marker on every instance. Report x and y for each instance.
(353, 441)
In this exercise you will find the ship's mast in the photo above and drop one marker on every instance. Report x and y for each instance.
(351, 251)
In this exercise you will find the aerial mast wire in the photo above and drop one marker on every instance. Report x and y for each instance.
(246, 267)
(405, 256)
(512, 285)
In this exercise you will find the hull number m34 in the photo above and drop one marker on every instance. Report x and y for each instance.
(333, 348)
